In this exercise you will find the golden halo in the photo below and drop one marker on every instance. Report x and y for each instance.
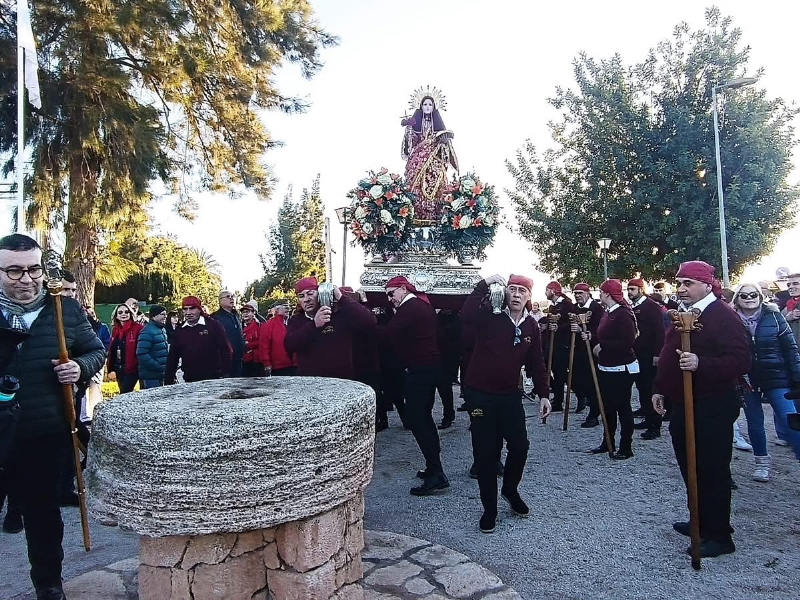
(439, 101)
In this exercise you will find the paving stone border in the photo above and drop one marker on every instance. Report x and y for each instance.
(396, 567)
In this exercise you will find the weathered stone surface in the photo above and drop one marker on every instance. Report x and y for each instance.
(208, 549)
(162, 552)
(96, 584)
(155, 583)
(465, 580)
(508, 594)
(270, 556)
(350, 572)
(213, 478)
(349, 592)
(317, 584)
(419, 586)
(129, 564)
(439, 556)
(247, 542)
(238, 578)
(394, 574)
(384, 545)
(354, 538)
(307, 544)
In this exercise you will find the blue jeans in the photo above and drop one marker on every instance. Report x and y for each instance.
(152, 383)
(755, 419)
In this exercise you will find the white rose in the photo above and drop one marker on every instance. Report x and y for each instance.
(456, 205)
(376, 191)
(384, 179)
(367, 228)
(464, 223)
(488, 221)
(360, 213)
(386, 217)
(467, 185)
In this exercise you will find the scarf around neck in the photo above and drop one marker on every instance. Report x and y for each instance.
(750, 322)
(15, 311)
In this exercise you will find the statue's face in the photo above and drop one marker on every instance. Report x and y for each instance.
(427, 106)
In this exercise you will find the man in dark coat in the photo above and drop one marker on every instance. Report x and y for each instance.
(42, 439)
(720, 355)
(152, 349)
(230, 320)
(562, 306)
(200, 345)
(582, 379)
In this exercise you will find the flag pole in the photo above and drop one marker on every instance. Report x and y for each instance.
(20, 132)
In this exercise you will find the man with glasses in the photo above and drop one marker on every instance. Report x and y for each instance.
(229, 318)
(321, 337)
(200, 345)
(412, 332)
(504, 344)
(42, 441)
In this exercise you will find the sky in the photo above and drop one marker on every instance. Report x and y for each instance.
(497, 63)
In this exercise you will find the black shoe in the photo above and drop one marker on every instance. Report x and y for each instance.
(422, 473)
(641, 425)
(590, 422)
(682, 527)
(517, 504)
(462, 408)
(601, 449)
(714, 548)
(51, 593)
(582, 404)
(499, 468)
(446, 423)
(69, 499)
(473, 472)
(651, 434)
(557, 407)
(431, 485)
(623, 455)
(667, 416)
(13, 522)
(487, 523)
(638, 412)
(381, 424)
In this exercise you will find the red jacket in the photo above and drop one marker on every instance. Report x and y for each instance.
(271, 352)
(129, 333)
(251, 334)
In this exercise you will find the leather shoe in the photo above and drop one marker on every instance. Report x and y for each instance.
(590, 422)
(517, 504)
(682, 527)
(473, 472)
(642, 425)
(714, 548)
(601, 449)
(582, 404)
(422, 473)
(638, 412)
(51, 593)
(499, 468)
(431, 485)
(381, 424)
(13, 522)
(445, 424)
(623, 455)
(557, 407)
(69, 499)
(651, 434)
(487, 523)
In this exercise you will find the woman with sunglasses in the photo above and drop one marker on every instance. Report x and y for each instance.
(617, 366)
(122, 350)
(775, 369)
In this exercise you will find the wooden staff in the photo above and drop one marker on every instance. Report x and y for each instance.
(54, 287)
(685, 322)
(572, 319)
(551, 318)
(584, 318)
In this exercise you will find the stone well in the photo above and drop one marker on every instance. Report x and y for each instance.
(242, 489)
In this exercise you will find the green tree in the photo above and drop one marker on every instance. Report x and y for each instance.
(634, 161)
(148, 90)
(296, 246)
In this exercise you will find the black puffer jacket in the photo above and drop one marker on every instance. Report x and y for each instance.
(776, 362)
(41, 395)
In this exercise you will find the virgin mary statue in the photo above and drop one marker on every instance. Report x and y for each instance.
(427, 150)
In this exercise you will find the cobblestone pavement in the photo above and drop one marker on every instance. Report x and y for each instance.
(395, 567)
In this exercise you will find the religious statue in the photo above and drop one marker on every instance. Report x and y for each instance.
(428, 151)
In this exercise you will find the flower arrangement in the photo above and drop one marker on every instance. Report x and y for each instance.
(381, 212)
(470, 217)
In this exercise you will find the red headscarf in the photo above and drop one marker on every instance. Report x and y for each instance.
(306, 283)
(521, 280)
(613, 287)
(556, 287)
(191, 302)
(580, 287)
(636, 283)
(702, 272)
(399, 281)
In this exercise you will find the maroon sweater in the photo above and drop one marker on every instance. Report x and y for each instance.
(203, 350)
(563, 308)
(496, 361)
(328, 351)
(617, 337)
(723, 351)
(650, 320)
(413, 333)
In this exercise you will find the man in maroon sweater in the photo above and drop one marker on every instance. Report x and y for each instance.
(650, 320)
(413, 334)
(322, 336)
(582, 380)
(562, 306)
(504, 343)
(720, 355)
(201, 345)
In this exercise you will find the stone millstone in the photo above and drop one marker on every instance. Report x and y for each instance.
(229, 455)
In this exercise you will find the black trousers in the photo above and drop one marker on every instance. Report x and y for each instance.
(582, 381)
(126, 382)
(420, 393)
(253, 369)
(713, 422)
(495, 418)
(644, 383)
(445, 388)
(236, 367)
(284, 372)
(34, 473)
(559, 378)
(615, 388)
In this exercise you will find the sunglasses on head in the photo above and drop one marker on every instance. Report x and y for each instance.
(748, 295)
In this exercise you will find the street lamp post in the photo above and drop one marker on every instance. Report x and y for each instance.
(343, 214)
(723, 235)
(604, 244)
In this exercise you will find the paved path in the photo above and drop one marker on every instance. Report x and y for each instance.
(598, 530)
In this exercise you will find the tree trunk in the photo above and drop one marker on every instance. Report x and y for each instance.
(81, 253)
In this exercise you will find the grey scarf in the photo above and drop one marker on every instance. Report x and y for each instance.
(15, 312)
(750, 322)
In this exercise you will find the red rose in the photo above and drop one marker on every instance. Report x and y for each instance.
(471, 203)
(456, 221)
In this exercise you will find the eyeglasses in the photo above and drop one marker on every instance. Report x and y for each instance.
(16, 273)
(749, 295)
(390, 293)
(517, 334)
(123, 312)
